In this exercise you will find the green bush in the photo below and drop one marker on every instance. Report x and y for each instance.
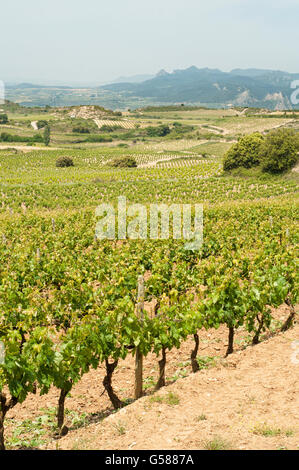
(279, 151)
(245, 153)
(63, 162)
(3, 119)
(40, 124)
(159, 131)
(81, 130)
(6, 137)
(124, 162)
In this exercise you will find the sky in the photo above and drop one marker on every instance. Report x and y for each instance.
(95, 41)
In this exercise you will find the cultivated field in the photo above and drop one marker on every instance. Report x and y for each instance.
(124, 124)
(68, 301)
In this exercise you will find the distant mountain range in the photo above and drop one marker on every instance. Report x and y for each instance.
(250, 87)
(32, 86)
(207, 87)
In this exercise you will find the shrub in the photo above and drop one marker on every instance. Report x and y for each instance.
(47, 134)
(40, 124)
(81, 130)
(6, 137)
(98, 138)
(159, 131)
(245, 153)
(3, 119)
(62, 162)
(124, 162)
(106, 128)
(279, 151)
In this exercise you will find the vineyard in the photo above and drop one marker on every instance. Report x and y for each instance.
(124, 124)
(71, 304)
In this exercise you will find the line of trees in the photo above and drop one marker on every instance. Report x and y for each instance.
(276, 152)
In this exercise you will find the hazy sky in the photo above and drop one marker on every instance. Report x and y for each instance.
(94, 41)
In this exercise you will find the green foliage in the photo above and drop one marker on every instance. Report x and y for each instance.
(263, 429)
(106, 128)
(68, 310)
(73, 306)
(245, 153)
(3, 119)
(98, 138)
(159, 131)
(217, 443)
(6, 137)
(275, 153)
(279, 151)
(171, 399)
(166, 108)
(42, 123)
(62, 162)
(81, 130)
(180, 131)
(47, 133)
(124, 162)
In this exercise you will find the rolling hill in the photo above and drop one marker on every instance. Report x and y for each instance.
(252, 87)
(207, 87)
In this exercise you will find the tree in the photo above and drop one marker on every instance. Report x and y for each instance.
(47, 135)
(245, 153)
(279, 151)
(3, 119)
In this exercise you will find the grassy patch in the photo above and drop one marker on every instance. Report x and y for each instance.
(170, 399)
(268, 431)
(217, 443)
(178, 375)
(201, 417)
(149, 382)
(31, 433)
